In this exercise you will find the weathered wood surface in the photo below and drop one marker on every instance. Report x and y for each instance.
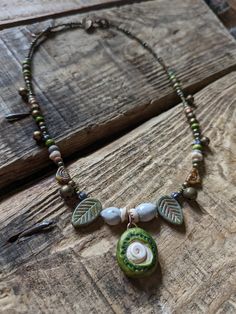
(75, 272)
(15, 12)
(92, 87)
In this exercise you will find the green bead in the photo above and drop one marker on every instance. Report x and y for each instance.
(136, 253)
(197, 146)
(195, 126)
(39, 119)
(49, 142)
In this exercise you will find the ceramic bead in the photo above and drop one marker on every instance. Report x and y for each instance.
(54, 154)
(146, 211)
(197, 155)
(111, 215)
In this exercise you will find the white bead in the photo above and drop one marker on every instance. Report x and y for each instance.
(123, 214)
(197, 155)
(134, 214)
(111, 215)
(138, 253)
(54, 154)
(146, 211)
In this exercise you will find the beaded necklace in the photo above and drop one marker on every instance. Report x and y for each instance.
(136, 250)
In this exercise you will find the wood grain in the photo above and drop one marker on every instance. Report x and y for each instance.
(64, 271)
(93, 87)
(17, 12)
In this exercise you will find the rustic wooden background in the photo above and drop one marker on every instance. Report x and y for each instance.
(125, 139)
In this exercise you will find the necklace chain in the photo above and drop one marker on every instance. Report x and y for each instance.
(68, 188)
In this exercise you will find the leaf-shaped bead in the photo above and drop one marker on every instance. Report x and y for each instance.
(170, 210)
(86, 212)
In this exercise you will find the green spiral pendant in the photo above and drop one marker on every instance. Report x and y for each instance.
(136, 253)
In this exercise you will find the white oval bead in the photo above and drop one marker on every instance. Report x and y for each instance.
(111, 215)
(197, 155)
(54, 154)
(146, 211)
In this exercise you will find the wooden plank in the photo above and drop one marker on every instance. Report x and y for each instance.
(58, 270)
(95, 86)
(17, 12)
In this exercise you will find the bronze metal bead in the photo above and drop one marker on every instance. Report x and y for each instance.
(190, 99)
(23, 92)
(35, 106)
(190, 193)
(205, 140)
(67, 191)
(37, 135)
(35, 113)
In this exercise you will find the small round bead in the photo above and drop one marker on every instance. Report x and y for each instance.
(46, 136)
(32, 100)
(39, 119)
(195, 126)
(196, 134)
(175, 195)
(190, 115)
(23, 91)
(37, 135)
(195, 165)
(43, 128)
(197, 155)
(205, 140)
(50, 142)
(197, 141)
(82, 195)
(66, 191)
(60, 163)
(197, 147)
(53, 148)
(190, 99)
(34, 107)
(35, 113)
(190, 193)
(188, 110)
(193, 120)
(57, 160)
(54, 155)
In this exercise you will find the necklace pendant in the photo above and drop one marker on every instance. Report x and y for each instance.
(86, 212)
(170, 210)
(136, 253)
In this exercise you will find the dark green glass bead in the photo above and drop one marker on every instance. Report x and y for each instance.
(49, 142)
(195, 126)
(39, 119)
(197, 146)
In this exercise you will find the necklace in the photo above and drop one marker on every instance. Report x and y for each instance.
(136, 250)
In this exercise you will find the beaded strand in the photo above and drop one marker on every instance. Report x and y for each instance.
(68, 187)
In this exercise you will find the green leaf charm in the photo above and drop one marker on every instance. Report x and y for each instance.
(170, 210)
(136, 253)
(86, 212)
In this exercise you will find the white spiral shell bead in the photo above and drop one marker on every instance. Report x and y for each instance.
(138, 253)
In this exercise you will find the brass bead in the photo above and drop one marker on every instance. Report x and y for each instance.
(205, 140)
(37, 135)
(190, 99)
(190, 193)
(67, 191)
(35, 106)
(35, 113)
(23, 92)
